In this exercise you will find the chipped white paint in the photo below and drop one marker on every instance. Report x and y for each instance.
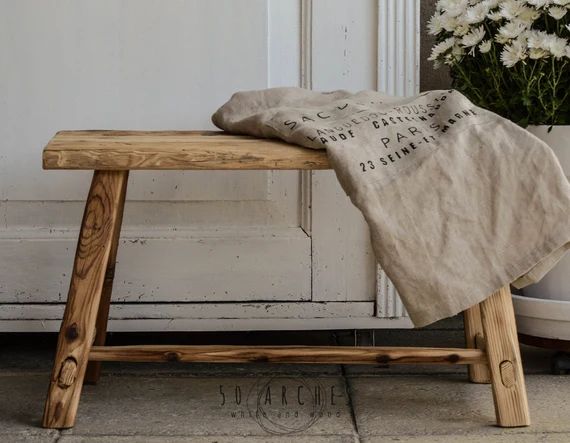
(198, 265)
(208, 317)
(177, 311)
(343, 56)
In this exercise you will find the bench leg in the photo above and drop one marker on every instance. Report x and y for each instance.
(94, 367)
(78, 326)
(474, 338)
(503, 353)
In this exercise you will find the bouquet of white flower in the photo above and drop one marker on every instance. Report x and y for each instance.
(509, 56)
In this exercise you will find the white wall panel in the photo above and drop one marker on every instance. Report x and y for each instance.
(344, 56)
(167, 266)
(168, 64)
(127, 64)
(344, 44)
(199, 236)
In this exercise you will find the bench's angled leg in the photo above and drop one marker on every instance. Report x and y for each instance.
(94, 367)
(474, 338)
(78, 325)
(502, 346)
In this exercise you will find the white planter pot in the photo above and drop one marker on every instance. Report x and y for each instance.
(544, 311)
(542, 318)
(556, 284)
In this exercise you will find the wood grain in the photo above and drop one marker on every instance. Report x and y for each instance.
(93, 371)
(78, 325)
(475, 339)
(180, 150)
(505, 366)
(287, 354)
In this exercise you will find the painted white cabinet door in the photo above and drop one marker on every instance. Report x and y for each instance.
(147, 64)
(200, 250)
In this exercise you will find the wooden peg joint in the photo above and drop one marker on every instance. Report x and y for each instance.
(67, 373)
(480, 342)
(508, 373)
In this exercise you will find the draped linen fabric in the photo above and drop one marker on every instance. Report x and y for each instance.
(460, 201)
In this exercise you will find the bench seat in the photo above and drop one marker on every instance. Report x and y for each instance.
(492, 351)
(182, 150)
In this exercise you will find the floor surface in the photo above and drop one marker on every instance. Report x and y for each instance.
(270, 403)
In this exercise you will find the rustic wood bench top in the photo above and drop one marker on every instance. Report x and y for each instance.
(131, 150)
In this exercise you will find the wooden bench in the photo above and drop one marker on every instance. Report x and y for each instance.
(492, 351)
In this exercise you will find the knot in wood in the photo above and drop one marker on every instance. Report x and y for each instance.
(258, 358)
(383, 359)
(72, 332)
(453, 358)
(172, 356)
(94, 219)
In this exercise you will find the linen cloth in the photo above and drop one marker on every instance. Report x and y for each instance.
(460, 201)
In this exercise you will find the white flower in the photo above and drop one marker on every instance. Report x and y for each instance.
(538, 53)
(518, 10)
(513, 53)
(536, 39)
(542, 41)
(495, 16)
(539, 3)
(492, 4)
(485, 46)
(457, 51)
(462, 30)
(557, 46)
(511, 30)
(441, 48)
(477, 13)
(453, 57)
(449, 23)
(474, 37)
(557, 12)
(510, 9)
(434, 25)
(514, 31)
(453, 8)
(528, 15)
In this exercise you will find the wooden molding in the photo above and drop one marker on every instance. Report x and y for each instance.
(398, 74)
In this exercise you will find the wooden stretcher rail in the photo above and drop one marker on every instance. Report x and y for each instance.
(288, 354)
